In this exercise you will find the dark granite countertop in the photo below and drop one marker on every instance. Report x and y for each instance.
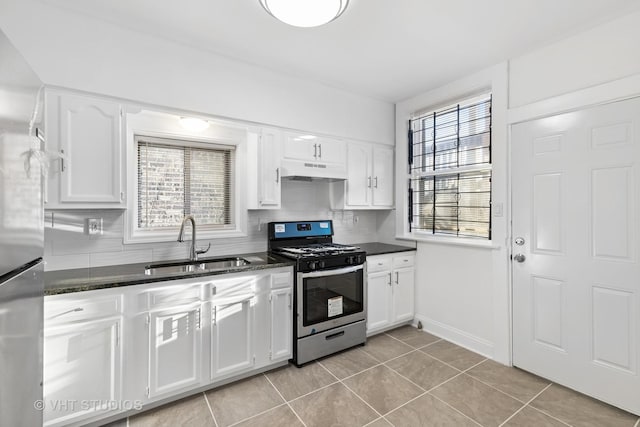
(88, 279)
(375, 248)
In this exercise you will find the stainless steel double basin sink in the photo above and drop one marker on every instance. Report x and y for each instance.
(202, 266)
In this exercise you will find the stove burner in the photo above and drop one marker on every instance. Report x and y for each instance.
(318, 249)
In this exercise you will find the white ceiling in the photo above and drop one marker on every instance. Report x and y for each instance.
(385, 49)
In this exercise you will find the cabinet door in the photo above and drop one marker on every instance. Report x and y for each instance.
(379, 300)
(90, 141)
(298, 148)
(175, 348)
(382, 176)
(403, 302)
(331, 151)
(270, 151)
(281, 324)
(231, 337)
(358, 175)
(82, 364)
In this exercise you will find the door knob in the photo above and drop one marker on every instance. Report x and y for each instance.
(519, 257)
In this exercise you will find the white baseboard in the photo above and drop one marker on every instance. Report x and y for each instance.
(456, 336)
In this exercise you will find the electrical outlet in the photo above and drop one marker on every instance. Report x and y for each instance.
(94, 226)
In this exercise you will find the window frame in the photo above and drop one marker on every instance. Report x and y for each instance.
(164, 126)
(413, 174)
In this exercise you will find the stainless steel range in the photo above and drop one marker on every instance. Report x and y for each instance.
(330, 293)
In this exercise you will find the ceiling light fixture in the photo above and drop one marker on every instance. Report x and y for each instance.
(305, 13)
(194, 125)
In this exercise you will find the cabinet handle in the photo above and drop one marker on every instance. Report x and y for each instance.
(375, 180)
(62, 168)
(215, 315)
(117, 334)
(389, 279)
(199, 317)
(369, 182)
(74, 310)
(277, 175)
(397, 274)
(315, 151)
(289, 301)
(320, 150)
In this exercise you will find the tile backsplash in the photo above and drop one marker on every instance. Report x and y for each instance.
(68, 246)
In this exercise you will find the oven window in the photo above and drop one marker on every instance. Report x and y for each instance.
(331, 297)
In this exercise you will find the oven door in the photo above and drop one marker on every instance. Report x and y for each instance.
(330, 298)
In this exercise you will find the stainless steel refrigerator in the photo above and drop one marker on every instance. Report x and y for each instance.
(21, 241)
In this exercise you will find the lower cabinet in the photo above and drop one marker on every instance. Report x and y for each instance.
(113, 350)
(82, 371)
(390, 290)
(175, 349)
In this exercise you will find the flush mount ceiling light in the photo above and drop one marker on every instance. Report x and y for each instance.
(194, 125)
(305, 13)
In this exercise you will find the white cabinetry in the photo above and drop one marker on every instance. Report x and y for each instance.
(83, 356)
(232, 326)
(264, 169)
(86, 132)
(150, 342)
(313, 149)
(369, 183)
(390, 290)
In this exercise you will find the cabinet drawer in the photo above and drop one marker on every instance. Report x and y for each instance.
(175, 295)
(281, 280)
(378, 263)
(403, 261)
(72, 309)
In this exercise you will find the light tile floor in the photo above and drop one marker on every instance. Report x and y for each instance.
(404, 377)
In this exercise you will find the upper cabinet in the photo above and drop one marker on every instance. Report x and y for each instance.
(369, 183)
(264, 171)
(313, 149)
(86, 133)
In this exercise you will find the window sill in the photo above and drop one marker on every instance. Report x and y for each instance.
(452, 241)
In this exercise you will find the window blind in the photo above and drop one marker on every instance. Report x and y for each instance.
(450, 170)
(178, 178)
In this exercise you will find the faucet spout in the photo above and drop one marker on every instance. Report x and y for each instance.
(193, 252)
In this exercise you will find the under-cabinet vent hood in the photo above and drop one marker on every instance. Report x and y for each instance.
(313, 171)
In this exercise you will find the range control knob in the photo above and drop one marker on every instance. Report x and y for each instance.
(321, 264)
(350, 260)
(312, 265)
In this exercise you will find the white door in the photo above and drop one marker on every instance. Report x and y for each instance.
(379, 300)
(298, 147)
(403, 283)
(358, 175)
(175, 343)
(82, 364)
(576, 287)
(281, 323)
(331, 151)
(231, 336)
(90, 141)
(382, 176)
(269, 157)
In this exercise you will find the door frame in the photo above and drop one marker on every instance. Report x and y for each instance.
(606, 93)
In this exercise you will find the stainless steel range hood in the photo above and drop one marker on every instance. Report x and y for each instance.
(300, 170)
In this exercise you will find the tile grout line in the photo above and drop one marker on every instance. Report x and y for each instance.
(285, 400)
(455, 409)
(258, 414)
(637, 423)
(501, 391)
(524, 405)
(355, 394)
(415, 348)
(204, 394)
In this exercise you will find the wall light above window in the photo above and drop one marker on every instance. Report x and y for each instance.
(194, 125)
(305, 13)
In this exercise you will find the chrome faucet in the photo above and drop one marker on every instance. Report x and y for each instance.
(193, 254)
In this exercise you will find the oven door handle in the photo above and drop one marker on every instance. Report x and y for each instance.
(336, 272)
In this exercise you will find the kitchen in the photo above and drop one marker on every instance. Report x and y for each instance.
(111, 55)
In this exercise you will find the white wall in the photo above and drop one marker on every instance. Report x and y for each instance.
(66, 245)
(82, 53)
(607, 52)
(463, 293)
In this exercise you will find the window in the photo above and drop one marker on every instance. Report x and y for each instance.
(450, 170)
(176, 178)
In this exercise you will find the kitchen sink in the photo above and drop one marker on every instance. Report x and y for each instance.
(195, 266)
